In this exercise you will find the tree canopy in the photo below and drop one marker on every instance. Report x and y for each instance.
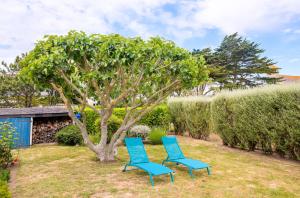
(111, 69)
(238, 63)
(15, 91)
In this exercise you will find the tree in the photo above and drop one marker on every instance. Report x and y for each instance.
(14, 91)
(238, 63)
(216, 72)
(111, 70)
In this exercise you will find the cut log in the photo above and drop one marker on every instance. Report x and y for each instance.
(44, 129)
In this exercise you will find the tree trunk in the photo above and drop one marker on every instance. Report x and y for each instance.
(106, 154)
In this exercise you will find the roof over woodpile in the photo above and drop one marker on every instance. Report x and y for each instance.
(50, 111)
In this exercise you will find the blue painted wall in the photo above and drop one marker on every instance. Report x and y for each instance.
(23, 127)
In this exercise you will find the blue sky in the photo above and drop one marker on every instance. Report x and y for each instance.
(193, 24)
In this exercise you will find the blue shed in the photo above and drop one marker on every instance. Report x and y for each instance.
(23, 119)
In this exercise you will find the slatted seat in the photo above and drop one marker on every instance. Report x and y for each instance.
(176, 155)
(139, 159)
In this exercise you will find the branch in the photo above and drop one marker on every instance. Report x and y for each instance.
(69, 82)
(120, 133)
(73, 117)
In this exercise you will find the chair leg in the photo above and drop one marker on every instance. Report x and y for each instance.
(208, 170)
(124, 170)
(172, 178)
(151, 180)
(191, 173)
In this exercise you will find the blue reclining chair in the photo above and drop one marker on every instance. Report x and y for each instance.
(139, 159)
(175, 155)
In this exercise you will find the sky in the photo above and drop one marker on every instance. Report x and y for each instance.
(192, 24)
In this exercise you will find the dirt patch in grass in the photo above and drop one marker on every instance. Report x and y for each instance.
(60, 171)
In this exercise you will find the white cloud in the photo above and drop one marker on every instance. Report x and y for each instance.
(22, 22)
(238, 15)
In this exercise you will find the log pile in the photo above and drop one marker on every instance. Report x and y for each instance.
(44, 129)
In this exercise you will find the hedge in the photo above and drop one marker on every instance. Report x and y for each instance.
(266, 118)
(91, 117)
(159, 116)
(191, 114)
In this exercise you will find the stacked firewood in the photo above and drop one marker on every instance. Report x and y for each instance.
(44, 129)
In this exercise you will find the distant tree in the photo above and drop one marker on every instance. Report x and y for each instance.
(14, 91)
(112, 70)
(216, 72)
(238, 63)
(21, 92)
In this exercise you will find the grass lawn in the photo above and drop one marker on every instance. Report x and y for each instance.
(61, 171)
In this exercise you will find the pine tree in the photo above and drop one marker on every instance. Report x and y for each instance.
(238, 63)
(243, 63)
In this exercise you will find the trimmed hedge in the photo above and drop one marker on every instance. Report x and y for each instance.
(91, 117)
(266, 118)
(159, 116)
(69, 135)
(191, 114)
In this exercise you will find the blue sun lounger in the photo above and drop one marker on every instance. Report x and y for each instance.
(175, 155)
(139, 159)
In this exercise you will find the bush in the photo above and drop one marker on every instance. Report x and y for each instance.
(5, 155)
(119, 112)
(95, 138)
(4, 191)
(91, 117)
(266, 118)
(191, 114)
(4, 174)
(8, 135)
(113, 125)
(69, 135)
(158, 117)
(156, 134)
(139, 131)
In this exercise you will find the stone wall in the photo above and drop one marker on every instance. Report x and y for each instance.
(44, 129)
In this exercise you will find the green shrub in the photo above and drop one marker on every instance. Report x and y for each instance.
(191, 114)
(95, 138)
(139, 131)
(266, 118)
(113, 125)
(119, 112)
(4, 174)
(158, 117)
(5, 155)
(8, 135)
(156, 134)
(91, 117)
(4, 191)
(69, 135)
